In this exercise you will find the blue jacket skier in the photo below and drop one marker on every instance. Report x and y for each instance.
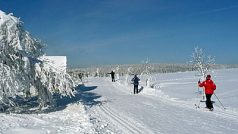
(135, 83)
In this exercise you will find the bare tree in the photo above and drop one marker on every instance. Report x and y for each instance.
(146, 70)
(201, 63)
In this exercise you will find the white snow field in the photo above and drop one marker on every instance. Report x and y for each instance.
(106, 107)
(72, 120)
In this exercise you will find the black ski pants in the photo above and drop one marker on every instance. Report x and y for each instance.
(113, 78)
(135, 89)
(208, 101)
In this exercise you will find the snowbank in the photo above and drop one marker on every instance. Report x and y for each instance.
(71, 120)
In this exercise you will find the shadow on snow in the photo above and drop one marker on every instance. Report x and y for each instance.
(82, 95)
(141, 88)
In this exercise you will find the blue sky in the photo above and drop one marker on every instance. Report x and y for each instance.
(93, 32)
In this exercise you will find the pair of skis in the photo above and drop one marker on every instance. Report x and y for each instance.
(198, 105)
(202, 100)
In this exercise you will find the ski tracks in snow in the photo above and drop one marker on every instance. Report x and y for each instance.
(126, 124)
(113, 119)
(119, 114)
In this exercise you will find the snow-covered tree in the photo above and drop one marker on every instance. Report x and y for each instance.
(117, 72)
(21, 68)
(201, 63)
(146, 70)
(128, 73)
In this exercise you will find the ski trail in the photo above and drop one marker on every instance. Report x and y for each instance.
(142, 113)
(123, 121)
(114, 116)
(218, 111)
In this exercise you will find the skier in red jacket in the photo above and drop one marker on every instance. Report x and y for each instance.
(209, 90)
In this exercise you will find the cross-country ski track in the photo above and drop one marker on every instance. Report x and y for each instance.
(121, 111)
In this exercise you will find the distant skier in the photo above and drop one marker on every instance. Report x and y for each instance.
(135, 83)
(209, 90)
(113, 76)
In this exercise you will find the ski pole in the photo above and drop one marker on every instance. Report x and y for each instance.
(198, 93)
(219, 101)
(198, 106)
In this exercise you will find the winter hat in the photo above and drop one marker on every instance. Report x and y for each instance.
(209, 76)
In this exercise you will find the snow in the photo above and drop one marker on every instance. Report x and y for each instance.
(105, 107)
(101, 106)
(21, 69)
(168, 109)
(73, 119)
(58, 62)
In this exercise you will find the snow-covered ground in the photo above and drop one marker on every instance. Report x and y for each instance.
(102, 106)
(72, 120)
(169, 108)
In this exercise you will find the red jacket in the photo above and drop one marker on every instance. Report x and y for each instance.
(209, 86)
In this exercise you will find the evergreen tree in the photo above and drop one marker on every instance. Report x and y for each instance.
(21, 67)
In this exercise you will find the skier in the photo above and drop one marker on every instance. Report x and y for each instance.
(135, 83)
(209, 90)
(113, 76)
